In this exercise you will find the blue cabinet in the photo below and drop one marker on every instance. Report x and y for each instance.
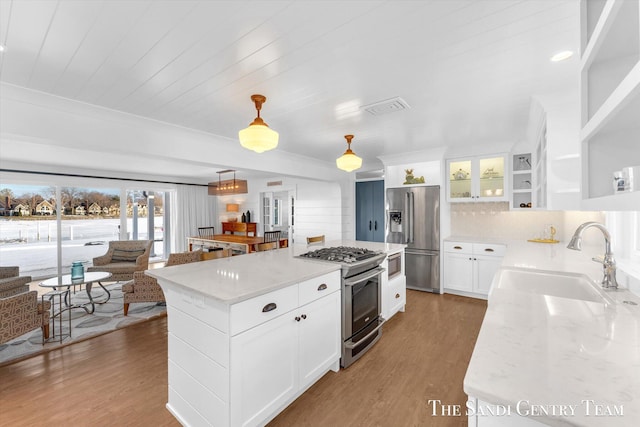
(370, 211)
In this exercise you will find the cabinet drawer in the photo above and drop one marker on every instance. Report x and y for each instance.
(458, 247)
(312, 289)
(488, 249)
(397, 292)
(260, 309)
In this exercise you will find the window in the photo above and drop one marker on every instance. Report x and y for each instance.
(45, 227)
(90, 218)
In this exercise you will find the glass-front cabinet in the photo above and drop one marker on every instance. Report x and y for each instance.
(478, 179)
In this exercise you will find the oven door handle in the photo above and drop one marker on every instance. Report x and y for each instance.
(351, 345)
(364, 276)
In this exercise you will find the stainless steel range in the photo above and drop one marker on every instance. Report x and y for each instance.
(361, 297)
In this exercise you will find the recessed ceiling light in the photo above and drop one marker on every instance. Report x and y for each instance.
(561, 56)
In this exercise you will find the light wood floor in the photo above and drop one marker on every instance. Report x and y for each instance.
(121, 378)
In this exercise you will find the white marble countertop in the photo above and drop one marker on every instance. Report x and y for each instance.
(556, 351)
(238, 278)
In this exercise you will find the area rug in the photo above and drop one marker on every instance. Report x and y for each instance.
(107, 317)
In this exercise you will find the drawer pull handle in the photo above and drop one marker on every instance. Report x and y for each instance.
(397, 296)
(457, 247)
(304, 316)
(269, 307)
(489, 250)
(322, 287)
(297, 318)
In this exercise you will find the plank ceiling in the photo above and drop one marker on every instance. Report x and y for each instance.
(467, 69)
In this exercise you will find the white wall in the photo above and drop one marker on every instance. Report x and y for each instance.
(319, 207)
(495, 220)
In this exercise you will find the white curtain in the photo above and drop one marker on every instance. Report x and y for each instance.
(192, 207)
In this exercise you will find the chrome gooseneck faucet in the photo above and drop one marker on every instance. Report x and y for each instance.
(608, 264)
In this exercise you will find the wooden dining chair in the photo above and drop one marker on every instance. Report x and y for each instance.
(222, 253)
(315, 239)
(272, 236)
(206, 231)
(260, 247)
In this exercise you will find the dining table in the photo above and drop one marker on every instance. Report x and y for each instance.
(235, 242)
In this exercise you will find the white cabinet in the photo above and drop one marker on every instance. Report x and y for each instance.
(273, 362)
(264, 370)
(469, 267)
(394, 285)
(521, 181)
(610, 100)
(241, 364)
(318, 338)
(478, 179)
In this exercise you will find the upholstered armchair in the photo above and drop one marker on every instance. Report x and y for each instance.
(23, 313)
(11, 283)
(123, 258)
(146, 289)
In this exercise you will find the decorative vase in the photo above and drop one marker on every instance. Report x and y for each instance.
(77, 271)
(244, 218)
(248, 216)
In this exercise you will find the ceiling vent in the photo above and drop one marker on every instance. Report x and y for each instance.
(387, 106)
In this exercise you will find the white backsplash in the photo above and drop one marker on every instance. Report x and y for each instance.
(495, 220)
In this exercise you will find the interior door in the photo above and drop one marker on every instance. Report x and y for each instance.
(364, 204)
(377, 211)
(370, 211)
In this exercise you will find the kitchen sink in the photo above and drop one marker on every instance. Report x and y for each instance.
(540, 282)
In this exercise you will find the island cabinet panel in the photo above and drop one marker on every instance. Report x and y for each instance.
(192, 331)
(241, 364)
(198, 306)
(196, 400)
(264, 370)
(213, 375)
(295, 350)
(319, 338)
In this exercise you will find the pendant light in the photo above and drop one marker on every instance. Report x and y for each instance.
(349, 161)
(228, 186)
(258, 137)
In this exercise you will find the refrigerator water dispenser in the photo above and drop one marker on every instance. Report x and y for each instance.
(395, 221)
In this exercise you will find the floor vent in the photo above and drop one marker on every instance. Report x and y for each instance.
(387, 106)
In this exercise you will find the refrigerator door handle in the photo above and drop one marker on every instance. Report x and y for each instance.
(411, 216)
(407, 217)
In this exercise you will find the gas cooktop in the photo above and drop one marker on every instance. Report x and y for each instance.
(343, 254)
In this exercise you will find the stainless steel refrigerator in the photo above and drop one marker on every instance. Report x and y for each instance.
(413, 218)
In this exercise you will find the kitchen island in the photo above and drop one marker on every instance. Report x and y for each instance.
(542, 359)
(248, 334)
